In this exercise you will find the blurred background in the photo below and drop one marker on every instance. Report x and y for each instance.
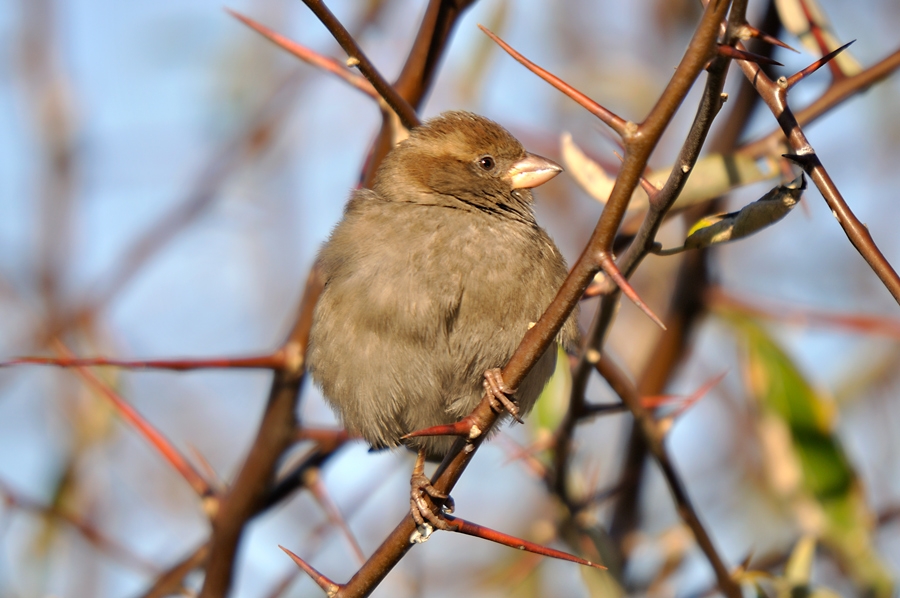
(166, 177)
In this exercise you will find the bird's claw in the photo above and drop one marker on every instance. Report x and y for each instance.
(426, 519)
(498, 393)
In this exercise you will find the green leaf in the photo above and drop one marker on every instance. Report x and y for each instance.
(712, 176)
(554, 399)
(827, 475)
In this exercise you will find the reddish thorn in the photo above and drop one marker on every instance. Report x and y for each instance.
(466, 427)
(653, 402)
(797, 77)
(601, 285)
(609, 266)
(700, 393)
(133, 418)
(473, 529)
(323, 582)
(274, 361)
(332, 511)
(649, 188)
(730, 52)
(686, 403)
(594, 289)
(613, 121)
(771, 39)
(526, 454)
(326, 439)
(325, 63)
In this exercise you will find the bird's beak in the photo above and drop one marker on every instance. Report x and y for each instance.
(531, 171)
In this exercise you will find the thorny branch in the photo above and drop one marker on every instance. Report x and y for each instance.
(255, 488)
(774, 94)
(639, 142)
(275, 435)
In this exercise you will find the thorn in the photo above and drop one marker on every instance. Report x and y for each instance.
(804, 161)
(486, 533)
(745, 564)
(649, 188)
(313, 481)
(526, 454)
(217, 486)
(613, 121)
(730, 52)
(800, 75)
(309, 56)
(699, 394)
(609, 266)
(330, 588)
(752, 31)
(466, 427)
(679, 405)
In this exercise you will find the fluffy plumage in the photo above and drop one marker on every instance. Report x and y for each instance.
(432, 278)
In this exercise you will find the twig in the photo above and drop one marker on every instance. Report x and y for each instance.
(655, 438)
(398, 104)
(774, 94)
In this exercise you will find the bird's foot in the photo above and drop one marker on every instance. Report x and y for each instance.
(498, 393)
(421, 507)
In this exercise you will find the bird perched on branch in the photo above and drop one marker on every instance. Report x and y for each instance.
(432, 278)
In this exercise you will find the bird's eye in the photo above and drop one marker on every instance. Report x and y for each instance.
(486, 162)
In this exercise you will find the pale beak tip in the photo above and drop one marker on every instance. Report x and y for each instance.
(532, 171)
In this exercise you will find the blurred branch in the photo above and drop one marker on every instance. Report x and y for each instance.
(50, 98)
(276, 433)
(170, 581)
(156, 439)
(719, 299)
(654, 436)
(251, 140)
(91, 534)
(660, 202)
(273, 361)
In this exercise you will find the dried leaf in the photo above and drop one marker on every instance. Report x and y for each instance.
(799, 566)
(802, 17)
(712, 176)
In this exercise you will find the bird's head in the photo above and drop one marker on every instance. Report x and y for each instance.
(463, 158)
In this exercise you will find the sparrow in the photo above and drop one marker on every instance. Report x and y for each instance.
(432, 278)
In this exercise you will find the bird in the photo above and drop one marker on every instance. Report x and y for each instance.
(431, 279)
